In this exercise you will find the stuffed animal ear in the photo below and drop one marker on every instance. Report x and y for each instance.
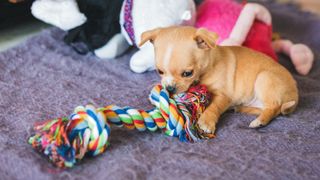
(205, 39)
(149, 36)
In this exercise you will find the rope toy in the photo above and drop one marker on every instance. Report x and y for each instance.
(86, 132)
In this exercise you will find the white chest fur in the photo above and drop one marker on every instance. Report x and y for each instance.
(254, 102)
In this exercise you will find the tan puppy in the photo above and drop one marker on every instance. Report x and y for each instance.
(238, 77)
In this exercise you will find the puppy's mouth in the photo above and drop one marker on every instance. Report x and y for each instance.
(181, 89)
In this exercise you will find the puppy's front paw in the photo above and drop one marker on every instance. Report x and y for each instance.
(207, 123)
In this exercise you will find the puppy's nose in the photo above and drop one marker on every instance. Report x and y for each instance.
(171, 89)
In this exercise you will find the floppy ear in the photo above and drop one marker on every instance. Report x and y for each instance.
(149, 36)
(206, 39)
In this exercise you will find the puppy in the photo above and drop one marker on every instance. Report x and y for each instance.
(238, 77)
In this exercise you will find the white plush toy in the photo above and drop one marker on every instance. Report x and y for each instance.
(138, 16)
(63, 14)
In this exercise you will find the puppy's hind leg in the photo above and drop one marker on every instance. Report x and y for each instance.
(265, 117)
(271, 99)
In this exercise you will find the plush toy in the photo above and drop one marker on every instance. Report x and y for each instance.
(64, 14)
(138, 16)
(92, 25)
(86, 132)
(249, 24)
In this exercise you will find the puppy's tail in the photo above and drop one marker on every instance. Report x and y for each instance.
(288, 107)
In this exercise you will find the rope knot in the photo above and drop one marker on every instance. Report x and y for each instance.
(86, 131)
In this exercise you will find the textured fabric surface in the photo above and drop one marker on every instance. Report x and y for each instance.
(43, 79)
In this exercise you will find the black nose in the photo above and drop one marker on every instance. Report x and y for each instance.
(171, 89)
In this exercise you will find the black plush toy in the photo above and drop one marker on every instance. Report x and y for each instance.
(101, 25)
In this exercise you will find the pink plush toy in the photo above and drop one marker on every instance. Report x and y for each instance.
(250, 25)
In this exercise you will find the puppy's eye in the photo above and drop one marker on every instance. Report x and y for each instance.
(187, 73)
(160, 72)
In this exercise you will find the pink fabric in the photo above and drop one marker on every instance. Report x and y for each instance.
(220, 16)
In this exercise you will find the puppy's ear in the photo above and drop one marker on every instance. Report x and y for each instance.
(149, 36)
(206, 39)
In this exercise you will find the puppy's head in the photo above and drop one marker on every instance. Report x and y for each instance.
(181, 53)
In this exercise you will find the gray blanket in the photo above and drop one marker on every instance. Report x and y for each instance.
(43, 79)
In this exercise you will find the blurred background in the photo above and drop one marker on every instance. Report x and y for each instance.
(17, 23)
(306, 5)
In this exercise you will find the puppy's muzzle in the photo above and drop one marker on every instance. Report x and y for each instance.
(171, 89)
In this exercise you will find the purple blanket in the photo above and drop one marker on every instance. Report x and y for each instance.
(44, 79)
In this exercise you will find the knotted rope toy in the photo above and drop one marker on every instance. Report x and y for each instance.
(86, 132)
